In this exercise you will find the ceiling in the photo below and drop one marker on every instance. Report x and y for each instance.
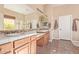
(20, 8)
(34, 6)
(28, 8)
(55, 5)
(52, 5)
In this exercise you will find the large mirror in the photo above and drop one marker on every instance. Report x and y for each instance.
(43, 22)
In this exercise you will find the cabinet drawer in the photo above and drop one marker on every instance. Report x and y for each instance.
(6, 48)
(21, 42)
(40, 41)
(23, 50)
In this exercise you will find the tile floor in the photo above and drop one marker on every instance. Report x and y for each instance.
(58, 47)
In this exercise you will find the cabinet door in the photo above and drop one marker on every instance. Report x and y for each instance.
(46, 39)
(23, 50)
(6, 48)
(33, 47)
(43, 40)
(40, 41)
(21, 42)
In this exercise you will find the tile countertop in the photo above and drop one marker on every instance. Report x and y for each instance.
(42, 31)
(18, 37)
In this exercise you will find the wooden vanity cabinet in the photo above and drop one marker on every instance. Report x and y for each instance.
(46, 38)
(22, 46)
(27, 45)
(25, 49)
(6, 48)
(40, 41)
(21, 42)
(43, 40)
(33, 45)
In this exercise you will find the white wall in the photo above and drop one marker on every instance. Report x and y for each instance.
(49, 12)
(34, 23)
(54, 12)
(1, 21)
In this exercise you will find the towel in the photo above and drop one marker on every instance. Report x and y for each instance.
(55, 25)
(74, 27)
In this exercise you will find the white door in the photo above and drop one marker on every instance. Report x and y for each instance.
(65, 27)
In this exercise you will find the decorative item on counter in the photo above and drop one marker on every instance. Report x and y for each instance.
(55, 25)
(45, 23)
(42, 18)
(30, 25)
(74, 26)
(49, 25)
(37, 25)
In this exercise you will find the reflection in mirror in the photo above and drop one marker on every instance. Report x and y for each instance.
(9, 22)
(49, 25)
(37, 25)
(43, 22)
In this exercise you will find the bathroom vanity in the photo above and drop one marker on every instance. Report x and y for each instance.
(24, 43)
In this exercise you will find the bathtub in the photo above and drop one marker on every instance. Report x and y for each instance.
(75, 43)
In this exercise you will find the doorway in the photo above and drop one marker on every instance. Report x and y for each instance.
(65, 27)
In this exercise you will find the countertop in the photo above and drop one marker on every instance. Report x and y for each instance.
(18, 37)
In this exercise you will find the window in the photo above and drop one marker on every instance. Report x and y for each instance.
(9, 22)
